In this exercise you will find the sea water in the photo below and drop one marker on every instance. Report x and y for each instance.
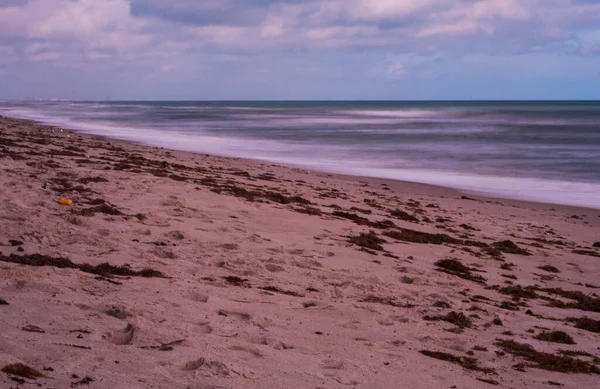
(541, 151)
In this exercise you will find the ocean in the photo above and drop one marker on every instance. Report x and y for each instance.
(541, 151)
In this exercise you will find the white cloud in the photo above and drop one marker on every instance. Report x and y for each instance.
(395, 71)
(98, 30)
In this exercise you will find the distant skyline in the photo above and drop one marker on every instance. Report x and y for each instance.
(300, 50)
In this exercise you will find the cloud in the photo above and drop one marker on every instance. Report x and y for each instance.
(395, 71)
(130, 29)
(158, 37)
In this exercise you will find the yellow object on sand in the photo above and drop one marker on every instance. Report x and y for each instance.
(65, 202)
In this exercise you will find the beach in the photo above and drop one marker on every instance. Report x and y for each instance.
(173, 269)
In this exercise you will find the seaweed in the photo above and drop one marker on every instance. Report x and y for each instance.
(454, 267)
(104, 269)
(367, 240)
(408, 235)
(102, 208)
(361, 210)
(546, 361)
(386, 301)
(457, 318)
(281, 291)
(518, 292)
(509, 247)
(21, 370)
(555, 337)
(352, 216)
(510, 306)
(587, 252)
(235, 280)
(84, 381)
(576, 353)
(549, 268)
(87, 180)
(488, 381)
(309, 211)
(402, 215)
(582, 301)
(466, 362)
(441, 304)
(586, 323)
(32, 328)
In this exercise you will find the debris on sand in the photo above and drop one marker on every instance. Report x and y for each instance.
(408, 235)
(466, 362)
(549, 268)
(586, 323)
(21, 370)
(555, 337)
(104, 269)
(546, 361)
(587, 252)
(510, 247)
(402, 215)
(102, 208)
(457, 318)
(237, 281)
(367, 240)
(385, 301)
(454, 267)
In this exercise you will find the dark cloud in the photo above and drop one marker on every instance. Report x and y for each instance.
(208, 12)
(13, 3)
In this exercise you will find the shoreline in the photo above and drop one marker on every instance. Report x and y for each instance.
(423, 188)
(173, 269)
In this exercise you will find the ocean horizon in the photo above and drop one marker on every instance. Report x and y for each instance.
(546, 151)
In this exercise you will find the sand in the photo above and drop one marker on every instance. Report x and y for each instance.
(261, 277)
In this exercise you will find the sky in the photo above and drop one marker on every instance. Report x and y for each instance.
(300, 49)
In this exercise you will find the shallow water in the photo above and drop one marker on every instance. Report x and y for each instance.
(541, 151)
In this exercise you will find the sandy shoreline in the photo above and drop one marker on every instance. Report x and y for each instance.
(269, 276)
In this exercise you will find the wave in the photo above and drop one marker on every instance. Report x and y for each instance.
(359, 142)
(403, 113)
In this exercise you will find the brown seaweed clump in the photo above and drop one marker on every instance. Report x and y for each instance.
(586, 323)
(466, 362)
(509, 247)
(518, 292)
(402, 215)
(457, 318)
(104, 269)
(549, 268)
(454, 267)
(546, 361)
(367, 240)
(555, 337)
(408, 235)
(21, 370)
(587, 252)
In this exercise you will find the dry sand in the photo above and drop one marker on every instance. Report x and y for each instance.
(267, 281)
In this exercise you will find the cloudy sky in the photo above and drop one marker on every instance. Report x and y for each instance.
(300, 49)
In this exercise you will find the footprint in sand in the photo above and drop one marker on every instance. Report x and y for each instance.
(117, 311)
(254, 352)
(207, 368)
(197, 297)
(205, 328)
(122, 337)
